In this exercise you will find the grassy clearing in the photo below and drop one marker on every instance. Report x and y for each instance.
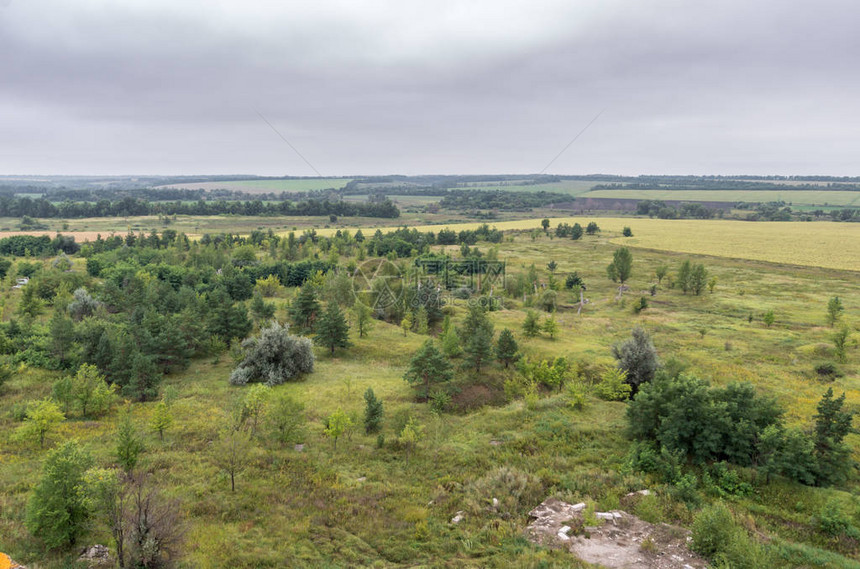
(791, 197)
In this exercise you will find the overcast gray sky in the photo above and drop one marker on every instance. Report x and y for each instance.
(469, 86)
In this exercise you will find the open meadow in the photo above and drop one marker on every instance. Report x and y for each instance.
(367, 502)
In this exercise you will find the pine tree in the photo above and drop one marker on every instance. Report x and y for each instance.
(478, 329)
(58, 509)
(832, 425)
(507, 351)
(143, 378)
(479, 348)
(451, 343)
(332, 331)
(421, 322)
(475, 320)
(304, 308)
(172, 350)
(373, 412)
(428, 366)
(227, 319)
(531, 326)
(260, 309)
(128, 443)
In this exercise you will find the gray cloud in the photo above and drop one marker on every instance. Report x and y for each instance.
(375, 87)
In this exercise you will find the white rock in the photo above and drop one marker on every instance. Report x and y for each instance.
(457, 518)
(495, 502)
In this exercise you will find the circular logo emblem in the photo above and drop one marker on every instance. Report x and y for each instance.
(378, 283)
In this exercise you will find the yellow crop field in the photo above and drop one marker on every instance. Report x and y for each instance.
(815, 244)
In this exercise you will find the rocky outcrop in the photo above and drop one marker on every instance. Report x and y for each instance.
(620, 541)
(97, 556)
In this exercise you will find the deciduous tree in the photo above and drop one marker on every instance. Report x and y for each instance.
(275, 357)
(57, 511)
(231, 451)
(41, 418)
(621, 266)
(638, 357)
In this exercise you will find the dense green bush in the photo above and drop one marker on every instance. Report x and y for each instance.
(719, 538)
(686, 415)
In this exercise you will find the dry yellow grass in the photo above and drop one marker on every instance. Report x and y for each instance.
(824, 244)
(815, 244)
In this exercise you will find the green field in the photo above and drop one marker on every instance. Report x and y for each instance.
(269, 186)
(792, 197)
(570, 187)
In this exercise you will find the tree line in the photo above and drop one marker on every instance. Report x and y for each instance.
(129, 206)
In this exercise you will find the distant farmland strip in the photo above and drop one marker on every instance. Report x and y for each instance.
(268, 186)
(822, 198)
